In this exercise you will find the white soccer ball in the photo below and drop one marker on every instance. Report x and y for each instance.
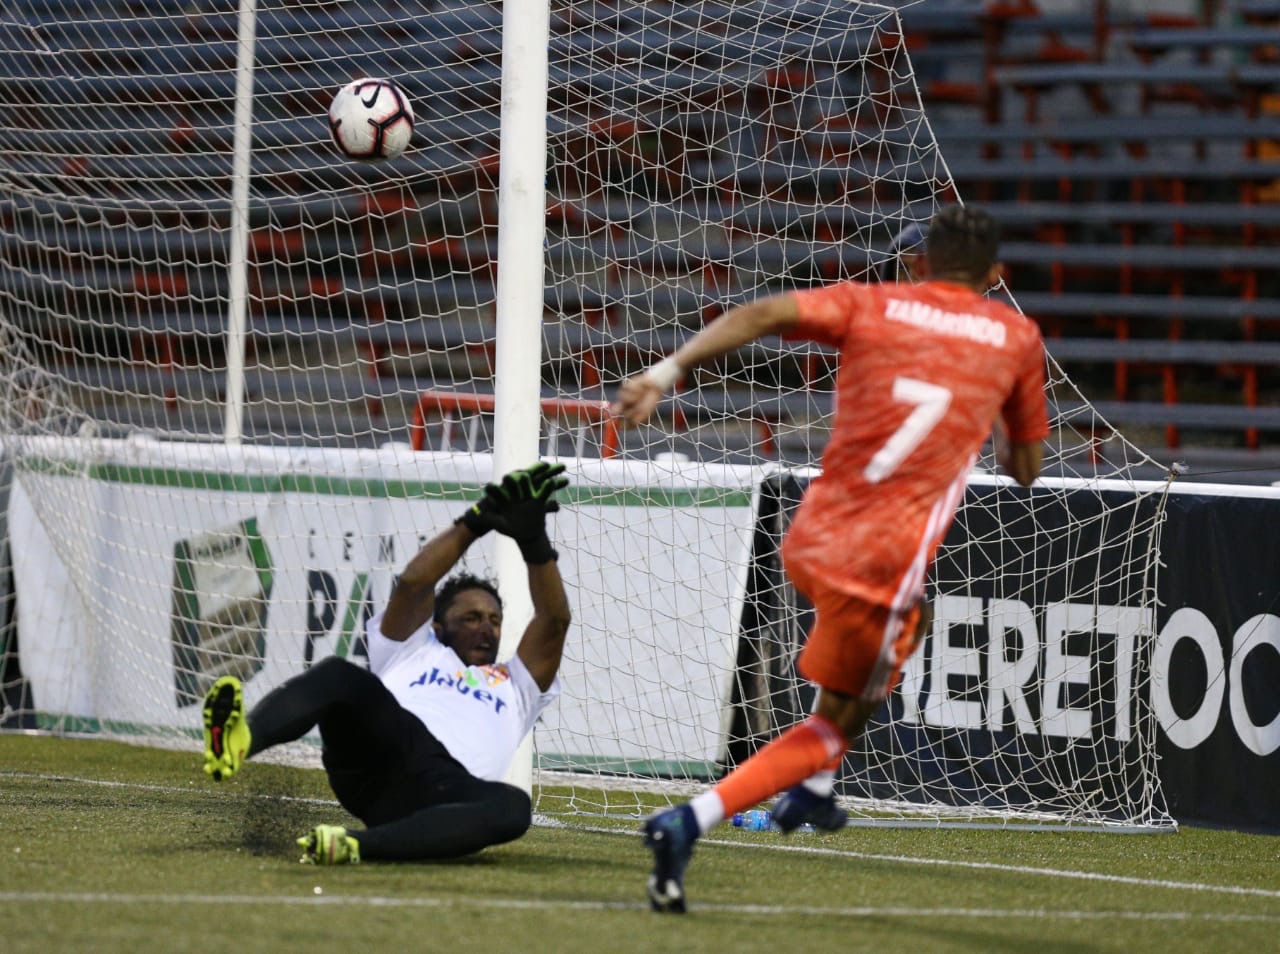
(371, 119)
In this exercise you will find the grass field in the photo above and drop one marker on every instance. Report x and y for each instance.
(117, 848)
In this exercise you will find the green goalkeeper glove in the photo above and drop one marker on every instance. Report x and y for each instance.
(479, 516)
(520, 507)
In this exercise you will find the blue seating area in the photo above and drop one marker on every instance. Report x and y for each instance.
(1132, 157)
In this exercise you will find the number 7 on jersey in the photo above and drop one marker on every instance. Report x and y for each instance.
(931, 402)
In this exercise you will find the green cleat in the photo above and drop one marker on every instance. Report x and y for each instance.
(226, 733)
(329, 845)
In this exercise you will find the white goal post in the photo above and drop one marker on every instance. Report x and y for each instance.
(225, 346)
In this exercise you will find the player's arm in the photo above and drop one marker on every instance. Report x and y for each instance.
(542, 644)
(1019, 435)
(413, 597)
(640, 394)
(1021, 461)
(518, 508)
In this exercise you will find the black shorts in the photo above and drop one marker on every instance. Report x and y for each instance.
(384, 764)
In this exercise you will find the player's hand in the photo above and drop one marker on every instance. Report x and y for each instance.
(480, 517)
(521, 504)
(637, 397)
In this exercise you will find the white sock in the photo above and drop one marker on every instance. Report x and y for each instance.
(822, 783)
(708, 810)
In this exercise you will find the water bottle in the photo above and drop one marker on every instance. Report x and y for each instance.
(761, 819)
(758, 819)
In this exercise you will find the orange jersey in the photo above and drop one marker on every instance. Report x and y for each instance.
(925, 370)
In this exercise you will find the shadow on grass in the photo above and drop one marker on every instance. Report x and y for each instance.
(277, 811)
(276, 814)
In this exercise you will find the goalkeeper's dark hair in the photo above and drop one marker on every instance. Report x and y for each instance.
(962, 242)
(451, 587)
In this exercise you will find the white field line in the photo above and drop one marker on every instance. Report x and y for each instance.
(1018, 869)
(508, 904)
(163, 789)
(801, 849)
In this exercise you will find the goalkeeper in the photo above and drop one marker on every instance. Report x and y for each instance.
(417, 746)
(926, 369)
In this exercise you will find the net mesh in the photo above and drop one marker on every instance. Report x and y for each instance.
(699, 155)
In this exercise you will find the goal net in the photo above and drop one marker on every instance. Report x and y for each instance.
(223, 434)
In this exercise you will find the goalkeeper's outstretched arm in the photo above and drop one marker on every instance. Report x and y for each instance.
(516, 507)
(640, 394)
(542, 644)
(413, 598)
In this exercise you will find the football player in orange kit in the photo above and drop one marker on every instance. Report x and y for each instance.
(927, 370)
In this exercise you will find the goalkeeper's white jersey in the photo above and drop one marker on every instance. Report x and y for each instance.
(480, 713)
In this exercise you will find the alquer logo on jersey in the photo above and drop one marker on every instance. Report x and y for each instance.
(469, 682)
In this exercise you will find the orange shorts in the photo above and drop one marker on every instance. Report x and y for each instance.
(855, 647)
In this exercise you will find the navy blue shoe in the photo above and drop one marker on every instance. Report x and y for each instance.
(670, 836)
(799, 805)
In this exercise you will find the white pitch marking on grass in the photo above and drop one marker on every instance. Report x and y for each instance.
(543, 821)
(507, 904)
(1046, 872)
(980, 866)
(1026, 869)
(802, 849)
(166, 789)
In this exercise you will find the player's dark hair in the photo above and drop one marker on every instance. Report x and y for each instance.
(451, 587)
(962, 242)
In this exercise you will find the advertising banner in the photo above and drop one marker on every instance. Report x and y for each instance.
(1065, 637)
(1218, 649)
(1029, 678)
(147, 570)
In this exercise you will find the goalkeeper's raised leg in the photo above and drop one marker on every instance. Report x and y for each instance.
(227, 737)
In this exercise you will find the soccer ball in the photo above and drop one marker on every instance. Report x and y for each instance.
(371, 119)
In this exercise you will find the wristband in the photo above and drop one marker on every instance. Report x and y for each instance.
(665, 374)
(474, 521)
(537, 550)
